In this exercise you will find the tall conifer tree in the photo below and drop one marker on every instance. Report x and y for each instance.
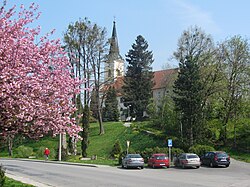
(193, 52)
(138, 81)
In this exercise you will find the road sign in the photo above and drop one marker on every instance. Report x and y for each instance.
(169, 142)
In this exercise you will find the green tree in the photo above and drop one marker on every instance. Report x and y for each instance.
(86, 45)
(235, 58)
(111, 112)
(193, 46)
(138, 81)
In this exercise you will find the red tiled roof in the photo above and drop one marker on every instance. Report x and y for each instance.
(160, 78)
(117, 84)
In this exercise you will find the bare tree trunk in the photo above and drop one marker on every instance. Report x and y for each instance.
(100, 122)
(10, 144)
(85, 132)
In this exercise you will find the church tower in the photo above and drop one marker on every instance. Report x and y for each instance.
(114, 66)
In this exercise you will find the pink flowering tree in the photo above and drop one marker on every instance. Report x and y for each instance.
(36, 85)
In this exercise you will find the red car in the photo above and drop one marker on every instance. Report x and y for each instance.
(158, 160)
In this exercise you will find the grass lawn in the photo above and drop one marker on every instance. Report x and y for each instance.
(239, 156)
(13, 183)
(102, 145)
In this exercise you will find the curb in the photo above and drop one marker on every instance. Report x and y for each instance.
(55, 162)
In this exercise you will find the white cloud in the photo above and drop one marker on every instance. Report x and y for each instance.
(191, 14)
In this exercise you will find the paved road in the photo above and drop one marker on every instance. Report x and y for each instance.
(50, 174)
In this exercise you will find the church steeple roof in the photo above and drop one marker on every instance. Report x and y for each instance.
(114, 52)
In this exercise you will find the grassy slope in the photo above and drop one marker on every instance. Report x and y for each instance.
(101, 145)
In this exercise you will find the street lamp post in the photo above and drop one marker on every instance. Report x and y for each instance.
(60, 147)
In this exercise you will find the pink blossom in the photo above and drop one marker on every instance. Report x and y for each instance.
(36, 86)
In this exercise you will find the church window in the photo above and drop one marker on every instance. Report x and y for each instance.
(118, 72)
(109, 73)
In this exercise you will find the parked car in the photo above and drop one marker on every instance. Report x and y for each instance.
(187, 160)
(158, 160)
(215, 158)
(133, 161)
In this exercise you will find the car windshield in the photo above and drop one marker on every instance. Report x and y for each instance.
(220, 155)
(162, 157)
(192, 156)
(134, 156)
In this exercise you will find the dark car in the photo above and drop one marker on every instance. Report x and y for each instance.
(216, 158)
(158, 160)
(185, 160)
(133, 161)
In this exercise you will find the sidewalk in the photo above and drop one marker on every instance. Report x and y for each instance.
(127, 124)
(26, 180)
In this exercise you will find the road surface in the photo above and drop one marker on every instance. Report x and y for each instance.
(44, 174)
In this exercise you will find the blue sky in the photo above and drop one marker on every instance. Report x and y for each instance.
(160, 22)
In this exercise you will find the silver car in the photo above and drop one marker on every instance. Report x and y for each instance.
(187, 160)
(133, 161)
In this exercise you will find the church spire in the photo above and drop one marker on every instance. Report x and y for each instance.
(114, 65)
(114, 48)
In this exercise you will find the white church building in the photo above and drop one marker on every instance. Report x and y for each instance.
(115, 70)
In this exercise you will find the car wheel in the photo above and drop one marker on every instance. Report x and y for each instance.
(122, 166)
(197, 167)
(125, 166)
(211, 164)
(142, 167)
(227, 165)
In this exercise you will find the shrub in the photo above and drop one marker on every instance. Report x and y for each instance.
(52, 154)
(24, 152)
(2, 175)
(40, 151)
(200, 149)
(116, 151)
(147, 153)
